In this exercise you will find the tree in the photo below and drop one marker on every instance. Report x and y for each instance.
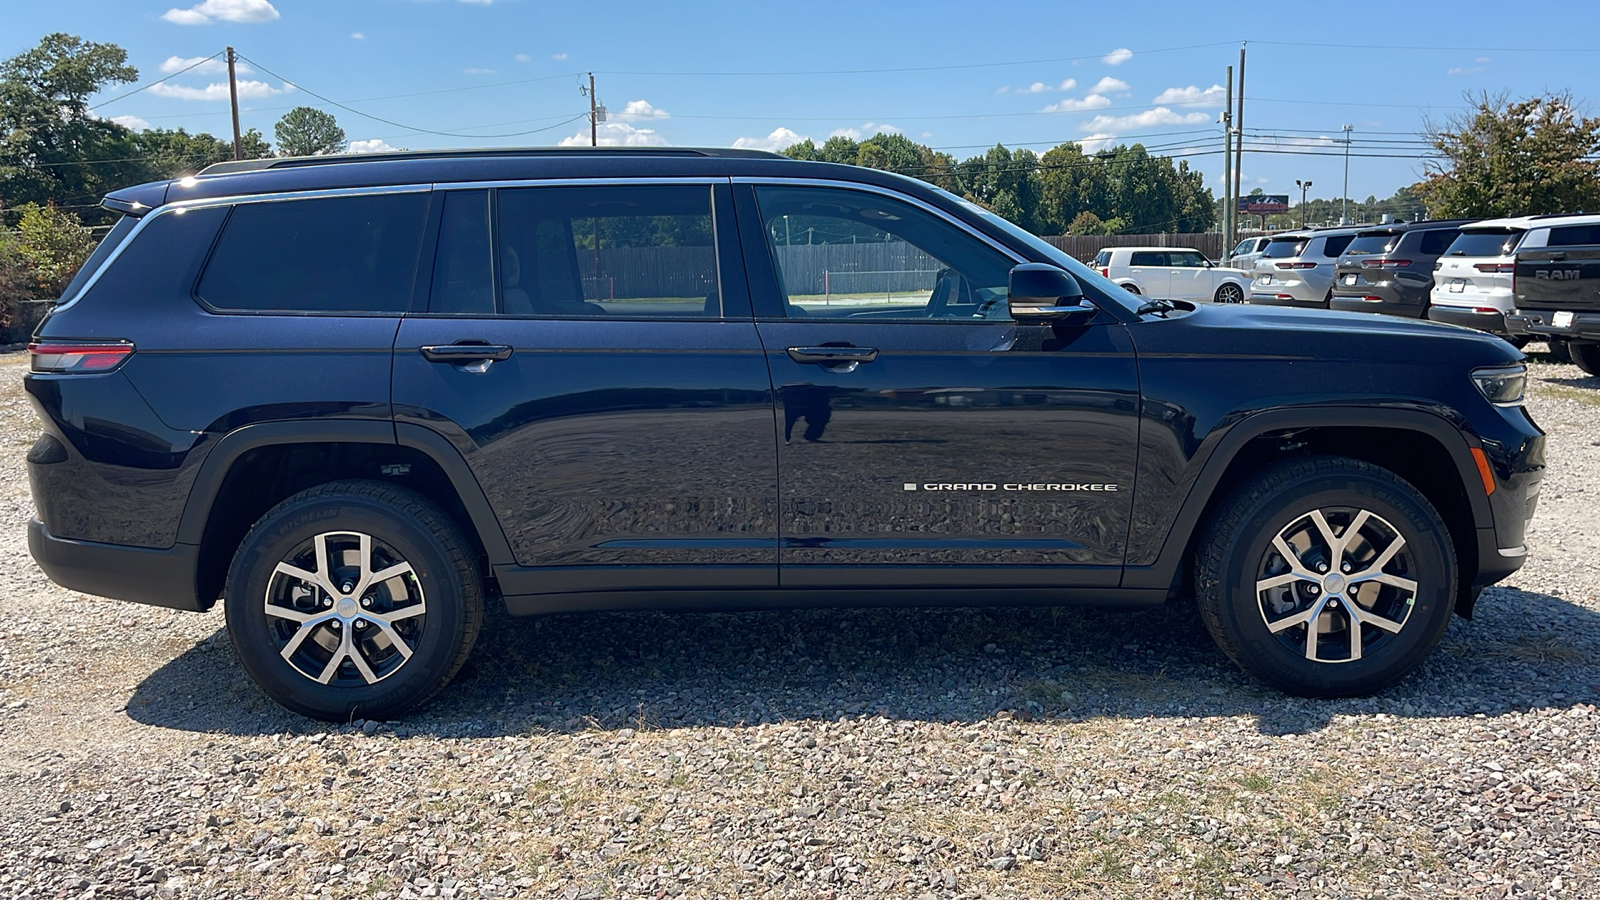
(1505, 158)
(49, 247)
(253, 146)
(46, 129)
(305, 131)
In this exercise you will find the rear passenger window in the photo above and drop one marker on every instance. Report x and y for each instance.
(1336, 245)
(463, 267)
(584, 252)
(1434, 243)
(1574, 235)
(332, 254)
(1148, 259)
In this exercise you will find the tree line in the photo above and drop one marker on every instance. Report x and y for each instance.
(1116, 190)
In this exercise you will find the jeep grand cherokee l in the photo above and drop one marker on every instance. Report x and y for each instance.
(356, 398)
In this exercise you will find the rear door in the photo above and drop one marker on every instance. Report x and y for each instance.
(926, 439)
(1152, 270)
(589, 350)
(1192, 277)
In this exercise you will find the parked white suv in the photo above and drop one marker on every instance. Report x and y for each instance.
(1473, 282)
(1173, 273)
(1249, 250)
(1298, 268)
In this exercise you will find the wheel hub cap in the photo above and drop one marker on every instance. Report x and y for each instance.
(1333, 584)
(346, 608)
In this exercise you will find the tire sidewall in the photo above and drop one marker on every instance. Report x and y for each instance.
(292, 524)
(1427, 540)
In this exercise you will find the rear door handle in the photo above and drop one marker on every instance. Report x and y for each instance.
(466, 352)
(823, 356)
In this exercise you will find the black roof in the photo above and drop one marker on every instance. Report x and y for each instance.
(1420, 224)
(268, 176)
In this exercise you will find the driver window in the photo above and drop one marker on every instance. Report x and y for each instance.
(851, 254)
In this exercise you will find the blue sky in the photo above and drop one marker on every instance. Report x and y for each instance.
(959, 77)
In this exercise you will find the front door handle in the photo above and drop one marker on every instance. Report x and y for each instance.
(833, 356)
(466, 352)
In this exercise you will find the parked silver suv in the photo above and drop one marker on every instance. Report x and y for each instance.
(1298, 268)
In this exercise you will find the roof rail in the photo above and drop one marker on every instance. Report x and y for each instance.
(256, 165)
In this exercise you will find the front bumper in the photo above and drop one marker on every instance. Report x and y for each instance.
(157, 577)
(1480, 318)
(1585, 326)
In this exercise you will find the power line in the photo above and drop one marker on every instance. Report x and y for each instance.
(987, 65)
(157, 81)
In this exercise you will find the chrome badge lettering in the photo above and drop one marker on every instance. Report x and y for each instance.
(943, 487)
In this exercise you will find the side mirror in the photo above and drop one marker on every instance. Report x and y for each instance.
(1041, 293)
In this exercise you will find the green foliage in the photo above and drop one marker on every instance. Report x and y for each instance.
(38, 261)
(1123, 189)
(46, 129)
(1530, 157)
(306, 131)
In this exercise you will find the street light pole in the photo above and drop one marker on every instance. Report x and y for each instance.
(1344, 214)
(1303, 186)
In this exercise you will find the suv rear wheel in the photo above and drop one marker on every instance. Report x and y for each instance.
(1326, 577)
(353, 599)
(1585, 356)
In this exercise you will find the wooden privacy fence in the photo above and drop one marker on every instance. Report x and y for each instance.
(822, 269)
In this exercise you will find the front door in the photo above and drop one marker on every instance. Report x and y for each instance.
(589, 350)
(1192, 277)
(925, 438)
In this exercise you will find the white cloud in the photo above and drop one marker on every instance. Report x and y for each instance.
(1117, 57)
(1067, 85)
(1158, 116)
(356, 35)
(1463, 70)
(375, 145)
(867, 129)
(1481, 59)
(248, 90)
(1109, 85)
(476, 71)
(777, 140)
(479, 2)
(617, 134)
(1071, 104)
(248, 12)
(1094, 143)
(1192, 96)
(558, 56)
(640, 109)
(201, 65)
(523, 57)
(133, 122)
(1038, 87)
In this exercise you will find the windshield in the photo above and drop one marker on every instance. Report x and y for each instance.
(1045, 251)
(1381, 242)
(1489, 242)
(1248, 245)
(1284, 248)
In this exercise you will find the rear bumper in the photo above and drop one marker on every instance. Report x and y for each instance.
(1493, 321)
(1286, 298)
(1585, 326)
(157, 577)
(1386, 303)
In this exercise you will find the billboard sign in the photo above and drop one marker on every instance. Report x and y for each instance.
(1264, 204)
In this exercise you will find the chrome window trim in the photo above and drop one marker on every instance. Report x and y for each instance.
(576, 182)
(791, 181)
(182, 206)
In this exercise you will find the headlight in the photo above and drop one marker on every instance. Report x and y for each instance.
(1502, 385)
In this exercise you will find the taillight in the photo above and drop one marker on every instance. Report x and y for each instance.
(1495, 268)
(1386, 263)
(73, 357)
(1300, 265)
(1105, 271)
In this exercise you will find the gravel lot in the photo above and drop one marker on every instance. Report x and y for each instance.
(817, 754)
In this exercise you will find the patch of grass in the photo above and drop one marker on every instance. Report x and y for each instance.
(1587, 398)
(1255, 781)
(1534, 650)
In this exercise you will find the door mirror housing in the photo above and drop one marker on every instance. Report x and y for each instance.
(1040, 292)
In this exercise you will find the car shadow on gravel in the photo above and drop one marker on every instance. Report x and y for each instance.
(609, 671)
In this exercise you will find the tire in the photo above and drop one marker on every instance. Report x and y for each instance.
(1560, 351)
(1131, 288)
(1238, 552)
(1229, 293)
(1518, 340)
(347, 659)
(1585, 356)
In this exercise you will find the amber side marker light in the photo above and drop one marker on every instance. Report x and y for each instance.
(1483, 469)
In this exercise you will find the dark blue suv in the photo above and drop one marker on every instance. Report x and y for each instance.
(358, 396)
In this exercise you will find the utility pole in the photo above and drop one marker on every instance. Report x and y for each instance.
(597, 113)
(233, 97)
(1303, 186)
(1344, 214)
(1238, 125)
(1228, 240)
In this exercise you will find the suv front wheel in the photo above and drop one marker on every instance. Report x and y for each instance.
(1326, 577)
(353, 599)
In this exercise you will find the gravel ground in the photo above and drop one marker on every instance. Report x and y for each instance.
(866, 753)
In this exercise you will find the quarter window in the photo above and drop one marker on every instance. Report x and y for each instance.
(851, 254)
(331, 254)
(626, 250)
(1437, 241)
(1335, 245)
(1573, 236)
(463, 268)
